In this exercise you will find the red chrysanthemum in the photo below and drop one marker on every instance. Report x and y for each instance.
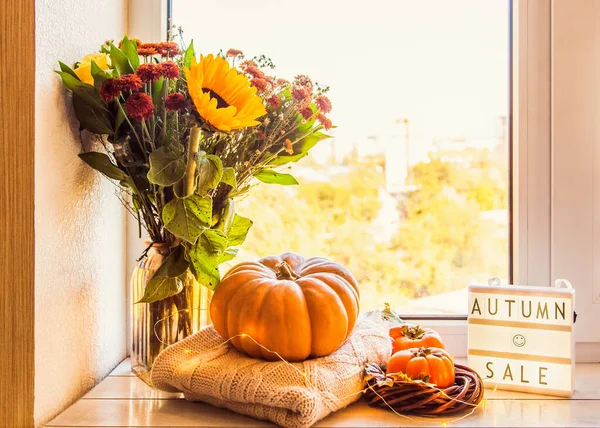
(139, 106)
(110, 89)
(300, 93)
(248, 63)
(147, 72)
(306, 113)
(324, 121)
(303, 81)
(168, 48)
(282, 82)
(260, 84)
(274, 101)
(234, 52)
(129, 82)
(323, 103)
(253, 71)
(137, 42)
(168, 69)
(149, 46)
(175, 102)
(147, 51)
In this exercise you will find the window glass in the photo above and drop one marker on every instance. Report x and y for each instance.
(411, 193)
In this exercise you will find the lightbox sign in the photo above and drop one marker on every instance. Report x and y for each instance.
(521, 338)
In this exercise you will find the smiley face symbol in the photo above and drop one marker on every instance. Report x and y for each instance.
(519, 340)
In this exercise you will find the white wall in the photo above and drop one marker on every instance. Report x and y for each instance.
(80, 224)
(576, 158)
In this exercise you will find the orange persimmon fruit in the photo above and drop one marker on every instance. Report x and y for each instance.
(414, 336)
(433, 365)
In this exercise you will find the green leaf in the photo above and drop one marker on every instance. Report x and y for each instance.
(120, 118)
(215, 241)
(227, 255)
(129, 48)
(91, 118)
(226, 218)
(301, 148)
(274, 177)
(120, 61)
(99, 75)
(157, 88)
(187, 218)
(189, 54)
(87, 92)
(239, 230)
(101, 162)
(66, 69)
(129, 183)
(159, 288)
(210, 171)
(90, 111)
(229, 177)
(174, 265)
(204, 257)
(167, 166)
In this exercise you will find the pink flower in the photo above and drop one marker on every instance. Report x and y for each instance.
(274, 101)
(260, 84)
(234, 52)
(306, 113)
(253, 71)
(324, 121)
(304, 81)
(323, 103)
(300, 93)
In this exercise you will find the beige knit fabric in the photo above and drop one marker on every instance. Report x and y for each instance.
(205, 370)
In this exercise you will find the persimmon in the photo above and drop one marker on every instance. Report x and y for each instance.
(433, 365)
(414, 336)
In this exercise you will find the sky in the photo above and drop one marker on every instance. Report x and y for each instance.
(443, 64)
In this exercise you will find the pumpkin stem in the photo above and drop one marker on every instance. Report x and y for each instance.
(421, 352)
(286, 272)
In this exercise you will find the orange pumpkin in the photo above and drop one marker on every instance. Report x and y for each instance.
(414, 336)
(434, 365)
(298, 308)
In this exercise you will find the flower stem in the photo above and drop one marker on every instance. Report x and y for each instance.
(192, 149)
(164, 110)
(140, 144)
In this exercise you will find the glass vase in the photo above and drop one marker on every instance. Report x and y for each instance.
(160, 324)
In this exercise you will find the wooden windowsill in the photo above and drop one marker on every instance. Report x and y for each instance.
(125, 401)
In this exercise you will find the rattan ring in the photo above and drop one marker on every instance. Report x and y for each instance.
(423, 399)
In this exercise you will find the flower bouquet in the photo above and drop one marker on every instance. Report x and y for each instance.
(183, 138)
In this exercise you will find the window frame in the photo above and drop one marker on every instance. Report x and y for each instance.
(530, 149)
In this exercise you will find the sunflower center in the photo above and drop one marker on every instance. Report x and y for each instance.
(221, 103)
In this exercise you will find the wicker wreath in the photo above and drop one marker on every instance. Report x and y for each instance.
(419, 398)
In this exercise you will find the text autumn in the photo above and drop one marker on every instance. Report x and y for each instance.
(527, 309)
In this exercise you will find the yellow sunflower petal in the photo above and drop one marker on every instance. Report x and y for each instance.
(222, 96)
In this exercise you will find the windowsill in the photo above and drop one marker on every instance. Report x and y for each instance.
(123, 400)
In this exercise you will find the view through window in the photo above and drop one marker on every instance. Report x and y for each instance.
(411, 193)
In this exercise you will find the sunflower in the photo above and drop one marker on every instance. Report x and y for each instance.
(222, 96)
